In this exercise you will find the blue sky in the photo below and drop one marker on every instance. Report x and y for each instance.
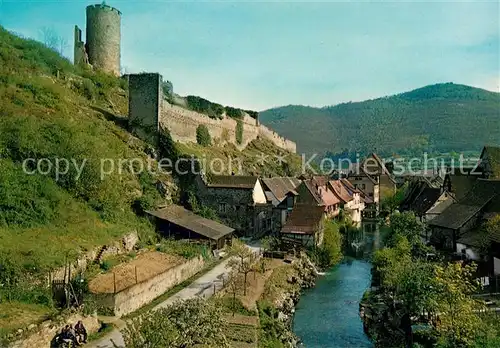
(258, 55)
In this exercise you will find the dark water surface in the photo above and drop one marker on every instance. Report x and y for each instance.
(328, 315)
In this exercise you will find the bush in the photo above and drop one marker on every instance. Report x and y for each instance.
(239, 132)
(330, 252)
(203, 136)
(233, 112)
(204, 106)
(186, 250)
(105, 265)
(253, 114)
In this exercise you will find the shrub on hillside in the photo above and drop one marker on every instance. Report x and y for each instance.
(233, 112)
(239, 132)
(203, 136)
(212, 110)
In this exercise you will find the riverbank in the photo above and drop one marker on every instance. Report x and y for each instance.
(277, 304)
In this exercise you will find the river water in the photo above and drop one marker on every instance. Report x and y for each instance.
(328, 314)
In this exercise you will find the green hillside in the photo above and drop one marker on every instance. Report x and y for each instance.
(52, 111)
(442, 117)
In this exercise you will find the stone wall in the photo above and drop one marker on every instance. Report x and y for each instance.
(138, 295)
(182, 124)
(144, 106)
(277, 139)
(148, 111)
(122, 246)
(41, 336)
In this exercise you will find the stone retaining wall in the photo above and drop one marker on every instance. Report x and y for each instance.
(138, 295)
(125, 245)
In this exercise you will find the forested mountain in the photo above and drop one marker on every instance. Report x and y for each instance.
(441, 117)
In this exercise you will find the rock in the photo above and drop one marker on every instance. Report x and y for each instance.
(19, 331)
(130, 240)
(31, 327)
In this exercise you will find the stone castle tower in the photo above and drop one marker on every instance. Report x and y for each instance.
(103, 36)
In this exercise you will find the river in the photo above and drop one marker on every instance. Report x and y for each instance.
(327, 315)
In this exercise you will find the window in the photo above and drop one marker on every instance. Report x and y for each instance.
(222, 207)
(370, 194)
(363, 186)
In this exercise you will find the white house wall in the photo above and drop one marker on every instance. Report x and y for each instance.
(469, 251)
(258, 195)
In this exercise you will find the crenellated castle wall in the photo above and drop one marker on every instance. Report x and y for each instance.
(149, 110)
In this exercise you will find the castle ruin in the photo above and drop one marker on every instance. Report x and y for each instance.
(149, 111)
(103, 39)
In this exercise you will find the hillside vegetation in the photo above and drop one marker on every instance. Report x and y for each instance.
(55, 112)
(442, 117)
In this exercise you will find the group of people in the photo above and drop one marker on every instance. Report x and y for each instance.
(76, 335)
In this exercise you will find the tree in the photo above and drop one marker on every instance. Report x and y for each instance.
(233, 287)
(459, 322)
(203, 136)
(488, 229)
(52, 40)
(392, 200)
(241, 261)
(183, 324)
(239, 131)
(406, 225)
(167, 146)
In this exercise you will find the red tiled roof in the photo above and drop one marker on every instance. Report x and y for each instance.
(340, 191)
(312, 188)
(304, 219)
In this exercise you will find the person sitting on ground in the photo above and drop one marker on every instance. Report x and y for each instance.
(71, 335)
(81, 332)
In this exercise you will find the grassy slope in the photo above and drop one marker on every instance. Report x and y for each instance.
(51, 109)
(250, 158)
(443, 116)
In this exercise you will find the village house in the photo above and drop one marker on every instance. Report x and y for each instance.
(369, 189)
(239, 201)
(374, 167)
(281, 193)
(462, 218)
(316, 191)
(175, 221)
(351, 201)
(459, 181)
(305, 226)
(425, 198)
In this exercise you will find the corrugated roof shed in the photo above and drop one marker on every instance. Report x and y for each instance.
(180, 216)
(304, 219)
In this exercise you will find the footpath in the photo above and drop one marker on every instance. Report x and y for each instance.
(205, 286)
